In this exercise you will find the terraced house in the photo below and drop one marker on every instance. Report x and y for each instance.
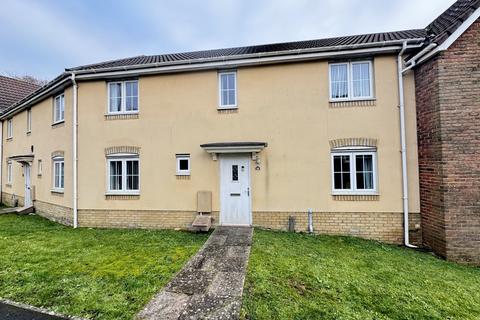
(259, 135)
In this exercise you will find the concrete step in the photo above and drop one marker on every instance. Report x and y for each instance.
(25, 210)
(9, 210)
(202, 223)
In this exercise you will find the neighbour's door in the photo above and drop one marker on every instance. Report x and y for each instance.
(28, 193)
(235, 203)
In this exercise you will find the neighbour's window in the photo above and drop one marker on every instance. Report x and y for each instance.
(354, 172)
(9, 172)
(123, 175)
(9, 128)
(39, 168)
(183, 164)
(123, 97)
(29, 120)
(58, 173)
(227, 89)
(59, 109)
(351, 80)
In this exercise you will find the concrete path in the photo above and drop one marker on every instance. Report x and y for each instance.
(210, 286)
(17, 311)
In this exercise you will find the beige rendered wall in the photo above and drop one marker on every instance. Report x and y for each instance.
(45, 139)
(285, 105)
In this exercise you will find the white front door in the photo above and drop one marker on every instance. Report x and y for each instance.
(28, 193)
(235, 203)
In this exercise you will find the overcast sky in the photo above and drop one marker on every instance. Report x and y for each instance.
(41, 38)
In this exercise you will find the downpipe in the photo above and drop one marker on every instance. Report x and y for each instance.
(403, 144)
(75, 157)
(310, 221)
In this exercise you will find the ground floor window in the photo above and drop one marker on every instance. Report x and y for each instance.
(183, 164)
(354, 172)
(123, 175)
(58, 174)
(9, 172)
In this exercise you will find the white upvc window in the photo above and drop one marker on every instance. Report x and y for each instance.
(59, 108)
(227, 84)
(123, 97)
(29, 120)
(58, 165)
(123, 174)
(351, 81)
(9, 172)
(183, 164)
(354, 172)
(39, 167)
(10, 128)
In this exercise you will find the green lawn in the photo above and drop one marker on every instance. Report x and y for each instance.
(93, 273)
(295, 276)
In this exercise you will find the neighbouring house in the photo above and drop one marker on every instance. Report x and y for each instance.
(261, 135)
(13, 90)
(448, 119)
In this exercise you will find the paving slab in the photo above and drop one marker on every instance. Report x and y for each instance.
(210, 285)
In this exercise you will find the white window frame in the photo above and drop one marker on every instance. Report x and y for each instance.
(10, 128)
(39, 167)
(59, 161)
(62, 108)
(353, 171)
(29, 120)
(227, 106)
(123, 94)
(350, 96)
(183, 157)
(123, 157)
(9, 172)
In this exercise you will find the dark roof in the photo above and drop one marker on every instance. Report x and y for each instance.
(449, 21)
(363, 39)
(13, 90)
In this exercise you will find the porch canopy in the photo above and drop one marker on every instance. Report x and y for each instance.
(24, 158)
(234, 147)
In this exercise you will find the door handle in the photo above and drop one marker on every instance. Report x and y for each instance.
(248, 192)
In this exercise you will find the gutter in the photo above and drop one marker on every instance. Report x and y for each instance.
(74, 150)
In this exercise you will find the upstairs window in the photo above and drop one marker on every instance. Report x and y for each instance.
(123, 175)
(123, 97)
(351, 81)
(59, 108)
(227, 90)
(9, 128)
(354, 172)
(58, 174)
(29, 120)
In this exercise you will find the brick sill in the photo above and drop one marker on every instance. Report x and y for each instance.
(122, 196)
(356, 197)
(353, 103)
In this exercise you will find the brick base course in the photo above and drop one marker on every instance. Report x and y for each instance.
(381, 226)
(387, 227)
(9, 199)
(57, 213)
